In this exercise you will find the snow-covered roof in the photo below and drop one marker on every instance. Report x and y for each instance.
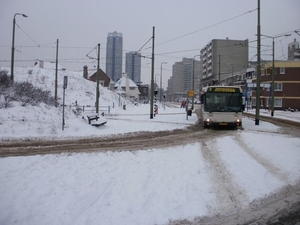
(122, 82)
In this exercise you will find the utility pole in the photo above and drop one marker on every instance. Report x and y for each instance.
(273, 74)
(56, 68)
(152, 76)
(219, 70)
(193, 81)
(160, 93)
(258, 72)
(98, 76)
(152, 72)
(64, 87)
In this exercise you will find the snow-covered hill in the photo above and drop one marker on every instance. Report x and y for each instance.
(45, 122)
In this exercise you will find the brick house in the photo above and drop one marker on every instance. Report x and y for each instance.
(104, 79)
(286, 85)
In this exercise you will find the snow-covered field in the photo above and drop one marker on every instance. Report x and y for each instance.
(141, 187)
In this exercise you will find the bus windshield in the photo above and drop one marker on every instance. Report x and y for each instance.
(223, 102)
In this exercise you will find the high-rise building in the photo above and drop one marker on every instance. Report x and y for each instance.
(114, 55)
(182, 78)
(133, 66)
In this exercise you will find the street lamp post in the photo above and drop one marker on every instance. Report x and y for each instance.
(232, 71)
(193, 81)
(273, 67)
(155, 82)
(13, 47)
(152, 74)
(160, 92)
(172, 89)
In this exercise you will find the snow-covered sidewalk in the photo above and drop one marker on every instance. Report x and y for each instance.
(286, 115)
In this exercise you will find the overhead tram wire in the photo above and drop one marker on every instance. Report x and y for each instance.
(197, 49)
(88, 54)
(224, 21)
(27, 35)
(192, 50)
(189, 50)
(143, 46)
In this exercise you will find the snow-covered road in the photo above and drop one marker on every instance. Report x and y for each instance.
(218, 174)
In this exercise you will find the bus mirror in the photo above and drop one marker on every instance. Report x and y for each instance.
(201, 98)
(243, 103)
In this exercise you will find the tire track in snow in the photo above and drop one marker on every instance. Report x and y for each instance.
(229, 195)
(267, 164)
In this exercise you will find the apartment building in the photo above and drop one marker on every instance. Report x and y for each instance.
(181, 80)
(222, 57)
(286, 85)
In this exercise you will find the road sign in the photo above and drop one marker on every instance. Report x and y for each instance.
(190, 93)
(65, 81)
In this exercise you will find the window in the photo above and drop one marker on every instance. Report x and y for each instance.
(222, 102)
(277, 102)
(282, 70)
(249, 75)
(262, 72)
(268, 71)
(277, 86)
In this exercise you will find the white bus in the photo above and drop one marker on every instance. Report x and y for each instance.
(222, 106)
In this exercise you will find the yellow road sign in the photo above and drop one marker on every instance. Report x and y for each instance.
(190, 93)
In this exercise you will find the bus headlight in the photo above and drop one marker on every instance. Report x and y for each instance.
(238, 120)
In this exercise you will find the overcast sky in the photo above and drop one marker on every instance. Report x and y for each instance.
(182, 28)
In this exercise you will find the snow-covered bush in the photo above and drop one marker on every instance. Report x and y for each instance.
(5, 80)
(23, 92)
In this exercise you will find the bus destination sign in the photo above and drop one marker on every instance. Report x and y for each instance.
(223, 89)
